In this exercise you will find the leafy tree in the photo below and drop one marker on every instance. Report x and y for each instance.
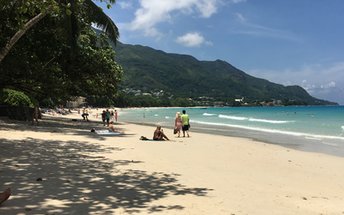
(27, 13)
(40, 64)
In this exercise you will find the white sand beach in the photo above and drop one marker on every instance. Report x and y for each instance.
(60, 167)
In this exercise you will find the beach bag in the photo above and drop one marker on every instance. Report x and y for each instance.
(175, 130)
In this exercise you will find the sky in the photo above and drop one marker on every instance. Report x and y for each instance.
(290, 42)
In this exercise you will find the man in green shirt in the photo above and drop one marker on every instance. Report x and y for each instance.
(185, 123)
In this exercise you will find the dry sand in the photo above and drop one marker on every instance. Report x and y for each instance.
(60, 167)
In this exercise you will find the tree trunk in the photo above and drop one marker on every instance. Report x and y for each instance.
(5, 50)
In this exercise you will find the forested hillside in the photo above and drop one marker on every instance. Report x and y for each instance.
(149, 71)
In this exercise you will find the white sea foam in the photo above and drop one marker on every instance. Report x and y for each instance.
(330, 144)
(343, 127)
(167, 117)
(232, 117)
(156, 115)
(209, 114)
(253, 119)
(275, 131)
(269, 121)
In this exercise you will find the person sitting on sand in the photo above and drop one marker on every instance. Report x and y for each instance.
(112, 127)
(159, 134)
(5, 195)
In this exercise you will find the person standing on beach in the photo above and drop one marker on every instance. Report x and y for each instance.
(35, 115)
(185, 123)
(116, 115)
(107, 117)
(178, 124)
(112, 115)
(103, 117)
(85, 114)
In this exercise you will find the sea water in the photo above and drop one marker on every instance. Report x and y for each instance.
(311, 128)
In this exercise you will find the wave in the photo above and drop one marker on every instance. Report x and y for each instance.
(269, 121)
(275, 131)
(209, 114)
(253, 119)
(232, 117)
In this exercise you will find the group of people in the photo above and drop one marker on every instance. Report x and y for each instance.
(181, 124)
(107, 116)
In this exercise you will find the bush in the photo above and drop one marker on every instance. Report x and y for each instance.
(15, 98)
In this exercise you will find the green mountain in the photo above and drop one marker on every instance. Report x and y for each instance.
(150, 70)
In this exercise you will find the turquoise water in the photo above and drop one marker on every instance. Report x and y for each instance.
(285, 125)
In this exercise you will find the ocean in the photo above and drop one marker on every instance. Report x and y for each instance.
(308, 128)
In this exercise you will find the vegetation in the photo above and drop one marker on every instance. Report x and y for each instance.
(186, 81)
(60, 55)
(50, 52)
(15, 98)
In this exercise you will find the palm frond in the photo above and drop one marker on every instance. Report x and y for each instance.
(102, 21)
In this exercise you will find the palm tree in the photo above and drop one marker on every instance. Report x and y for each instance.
(95, 13)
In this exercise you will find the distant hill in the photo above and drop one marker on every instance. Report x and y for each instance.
(151, 70)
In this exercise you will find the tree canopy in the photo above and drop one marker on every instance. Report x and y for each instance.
(61, 56)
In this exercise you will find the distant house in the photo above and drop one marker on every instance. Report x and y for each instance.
(239, 100)
(76, 102)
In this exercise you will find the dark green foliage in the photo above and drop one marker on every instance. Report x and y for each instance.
(185, 77)
(46, 65)
(15, 98)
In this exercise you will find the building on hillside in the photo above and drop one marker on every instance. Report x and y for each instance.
(239, 100)
(76, 102)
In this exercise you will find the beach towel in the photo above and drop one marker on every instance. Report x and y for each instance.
(107, 133)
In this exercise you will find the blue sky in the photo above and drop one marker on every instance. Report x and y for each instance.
(291, 42)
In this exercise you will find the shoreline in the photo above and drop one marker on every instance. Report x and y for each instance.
(288, 141)
(85, 173)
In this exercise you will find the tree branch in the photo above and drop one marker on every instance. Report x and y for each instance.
(14, 39)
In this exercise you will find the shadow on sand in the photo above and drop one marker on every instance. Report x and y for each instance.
(77, 180)
(60, 125)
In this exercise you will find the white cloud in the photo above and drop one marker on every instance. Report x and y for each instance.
(192, 39)
(252, 29)
(329, 75)
(238, 1)
(152, 12)
(125, 4)
(319, 80)
(240, 17)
